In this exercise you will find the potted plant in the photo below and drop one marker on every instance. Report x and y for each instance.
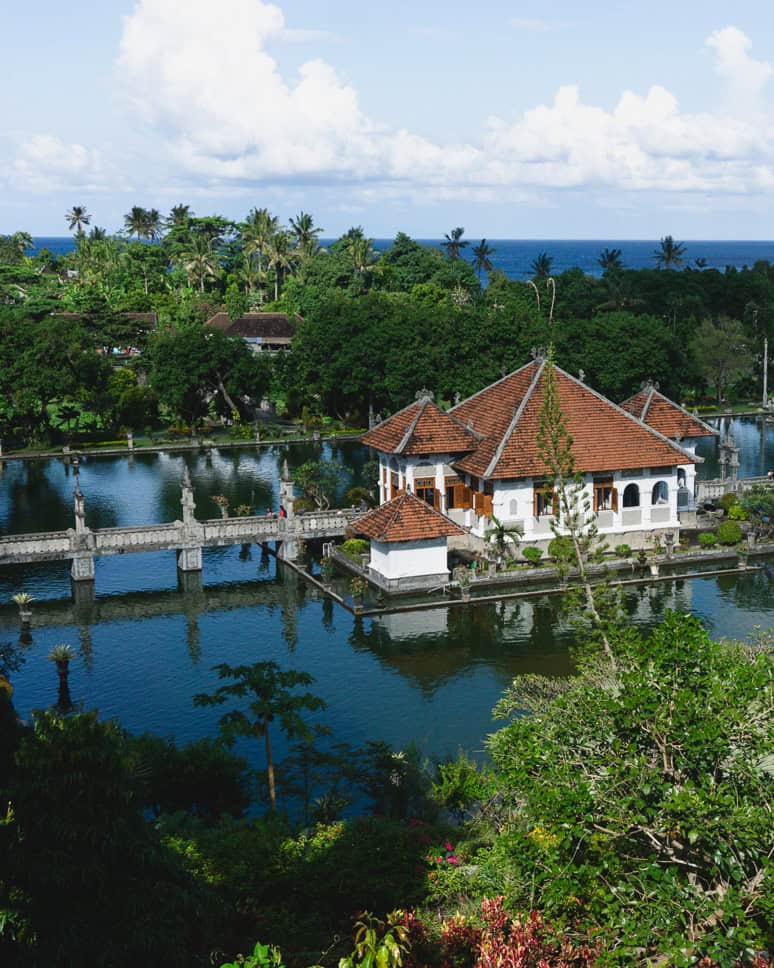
(461, 575)
(23, 600)
(61, 655)
(222, 501)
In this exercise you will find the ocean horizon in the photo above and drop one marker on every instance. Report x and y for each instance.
(514, 256)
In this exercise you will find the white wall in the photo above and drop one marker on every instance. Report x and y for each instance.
(409, 559)
(512, 503)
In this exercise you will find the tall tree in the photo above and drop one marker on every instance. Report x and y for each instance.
(362, 255)
(280, 258)
(305, 233)
(722, 351)
(258, 230)
(481, 258)
(76, 218)
(178, 217)
(541, 265)
(200, 261)
(669, 254)
(136, 222)
(454, 243)
(573, 519)
(610, 259)
(271, 695)
(153, 224)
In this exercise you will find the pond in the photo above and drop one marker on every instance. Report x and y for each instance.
(145, 648)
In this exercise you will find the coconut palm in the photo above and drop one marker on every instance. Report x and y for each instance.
(178, 216)
(200, 261)
(23, 600)
(670, 254)
(541, 265)
(153, 224)
(97, 234)
(610, 259)
(502, 538)
(23, 241)
(481, 260)
(77, 217)
(305, 233)
(62, 656)
(362, 255)
(280, 258)
(258, 229)
(136, 222)
(454, 243)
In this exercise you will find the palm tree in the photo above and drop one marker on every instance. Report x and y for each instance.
(362, 255)
(178, 216)
(481, 260)
(670, 253)
(136, 222)
(62, 655)
(97, 234)
(259, 228)
(200, 261)
(23, 241)
(153, 224)
(76, 218)
(610, 259)
(502, 538)
(305, 233)
(541, 265)
(454, 243)
(280, 258)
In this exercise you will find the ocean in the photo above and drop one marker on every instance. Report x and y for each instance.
(514, 256)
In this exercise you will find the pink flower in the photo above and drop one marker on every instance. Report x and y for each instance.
(448, 845)
(452, 860)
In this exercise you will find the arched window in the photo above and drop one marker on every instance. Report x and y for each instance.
(631, 496)
(681, 477)
(660, 493)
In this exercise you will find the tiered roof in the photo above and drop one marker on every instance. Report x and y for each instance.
(422, 428)
(266, 326)
(664, 415)
(501, 423)
(405, 518)
(604, 437)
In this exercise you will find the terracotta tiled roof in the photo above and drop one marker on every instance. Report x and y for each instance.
(421, 428)
(254, 325)
(405, 518)
(666, 416)
(605, 437)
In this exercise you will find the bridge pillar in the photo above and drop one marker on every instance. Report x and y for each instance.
(83, 567)
(287, 549)
(189, 582)
(189, 559)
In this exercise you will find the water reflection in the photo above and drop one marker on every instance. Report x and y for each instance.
(754, 437)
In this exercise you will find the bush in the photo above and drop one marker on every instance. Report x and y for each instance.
(561, 548)
(623, 550)
(355, 547)
(727, 501)
(738, 513)
(597, 779)
(707, 539)
(729, 533)
(356, 495)
(532, 554)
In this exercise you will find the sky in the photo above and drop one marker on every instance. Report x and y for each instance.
(560, 120)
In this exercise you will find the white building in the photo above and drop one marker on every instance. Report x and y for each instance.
(408, 543)
(481, 459)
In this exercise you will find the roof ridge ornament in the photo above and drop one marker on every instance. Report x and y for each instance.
(538, 354)
(424, 394)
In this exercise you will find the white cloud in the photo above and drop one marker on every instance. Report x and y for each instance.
(745, 76)
(205, 77)
(43, 162)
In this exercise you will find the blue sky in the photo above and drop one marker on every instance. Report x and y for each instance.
(593, 121)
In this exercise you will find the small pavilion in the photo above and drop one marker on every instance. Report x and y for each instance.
(409, 543)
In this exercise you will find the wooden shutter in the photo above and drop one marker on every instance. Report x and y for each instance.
(614, 501)
(488, 505)
(436, 499)
(467, 497)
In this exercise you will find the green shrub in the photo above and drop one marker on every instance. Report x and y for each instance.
(729, 533)
(738, 513)
(355, 547)
(561, 548)
(727, 501)
(623, 550)
(303, 504)
(355, 495)
(532, 554)
(707, 539)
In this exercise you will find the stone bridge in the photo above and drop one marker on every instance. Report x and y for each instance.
(82, 544)
(713, 489)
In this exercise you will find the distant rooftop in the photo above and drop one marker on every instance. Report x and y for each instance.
(272, 327)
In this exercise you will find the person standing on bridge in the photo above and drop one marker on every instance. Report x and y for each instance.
(282, 512)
